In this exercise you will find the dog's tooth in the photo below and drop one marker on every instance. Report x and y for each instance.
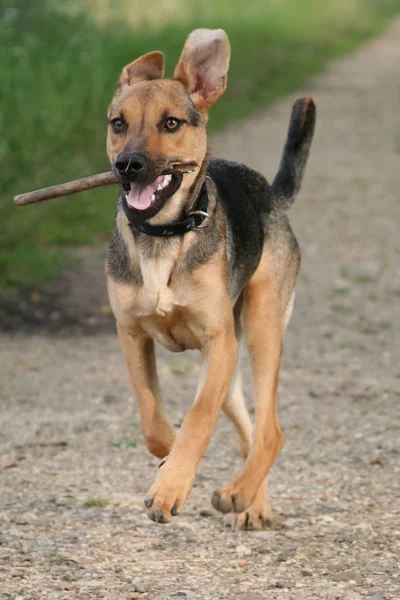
(160, 187)
(153, 197)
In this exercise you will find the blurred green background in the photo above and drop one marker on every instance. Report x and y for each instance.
(60, 62)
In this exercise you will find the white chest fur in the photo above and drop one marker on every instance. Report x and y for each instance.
(159, 292)
(154, 296)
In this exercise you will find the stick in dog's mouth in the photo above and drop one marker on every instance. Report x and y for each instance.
(181, 168)
(88, 183)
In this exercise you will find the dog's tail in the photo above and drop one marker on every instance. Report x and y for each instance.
(287, 182)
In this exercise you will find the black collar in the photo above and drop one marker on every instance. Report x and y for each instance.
(193, 220)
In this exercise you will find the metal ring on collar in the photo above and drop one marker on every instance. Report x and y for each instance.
(203, 214)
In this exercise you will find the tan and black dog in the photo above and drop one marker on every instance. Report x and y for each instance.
(201, 250)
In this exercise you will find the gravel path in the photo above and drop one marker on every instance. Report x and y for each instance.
(73, 468)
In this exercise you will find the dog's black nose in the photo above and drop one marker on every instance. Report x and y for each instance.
(130, 163)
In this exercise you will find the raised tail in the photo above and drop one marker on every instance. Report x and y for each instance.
(287, 182)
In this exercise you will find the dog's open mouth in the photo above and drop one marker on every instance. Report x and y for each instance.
(145, 197)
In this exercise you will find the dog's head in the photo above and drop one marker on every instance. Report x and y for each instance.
(157, 126)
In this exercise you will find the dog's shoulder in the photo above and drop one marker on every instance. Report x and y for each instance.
(236, 179)
(246, 198)
(119, 265)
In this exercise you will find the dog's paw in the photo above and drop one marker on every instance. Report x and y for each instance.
(168, 494)
(227, 500)
(160, 515)
(254, 518)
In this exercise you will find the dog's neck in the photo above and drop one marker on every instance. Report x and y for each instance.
(158, 257)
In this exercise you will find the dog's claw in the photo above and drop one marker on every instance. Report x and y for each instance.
(249, 526)
(149, 502)
(174, 511)
(238, 505)
(266, 524)
(250, 521)
(157, 516)
(220, 503)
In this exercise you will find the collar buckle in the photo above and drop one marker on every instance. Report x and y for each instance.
(204, 223)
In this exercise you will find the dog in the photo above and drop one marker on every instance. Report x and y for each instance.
(201, 250)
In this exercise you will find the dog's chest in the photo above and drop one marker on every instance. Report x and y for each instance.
(155, 296)
(160, 307)
(176, 331)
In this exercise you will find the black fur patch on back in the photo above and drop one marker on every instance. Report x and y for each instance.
(247, 201)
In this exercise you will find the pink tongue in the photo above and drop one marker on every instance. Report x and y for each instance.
(139, 197)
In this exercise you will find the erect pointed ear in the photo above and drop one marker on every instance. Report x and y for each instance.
(147, 67)
(203, 66)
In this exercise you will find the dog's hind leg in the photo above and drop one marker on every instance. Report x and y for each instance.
(263, 327)
(234, 405)
(235, 408)
(140, 360)
(259, 514)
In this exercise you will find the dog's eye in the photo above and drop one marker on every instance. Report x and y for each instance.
(172, 124)
(118, 125)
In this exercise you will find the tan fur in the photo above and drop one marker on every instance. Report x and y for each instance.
(235, 408)
(138, 352)
(265, 312)
(214, 330)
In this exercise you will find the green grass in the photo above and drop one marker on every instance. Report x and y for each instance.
(341, 309)
(59, 68)
(90, 502)
(125, 443)
(178, 367)
(342, 291)
(363, 278)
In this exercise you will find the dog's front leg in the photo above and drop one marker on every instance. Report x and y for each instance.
(140, 360)
(176, 476)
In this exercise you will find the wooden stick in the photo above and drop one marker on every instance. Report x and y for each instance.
(87, 183)
(64, 189)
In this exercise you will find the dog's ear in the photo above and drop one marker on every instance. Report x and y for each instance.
(203, 66)
(147, 67)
